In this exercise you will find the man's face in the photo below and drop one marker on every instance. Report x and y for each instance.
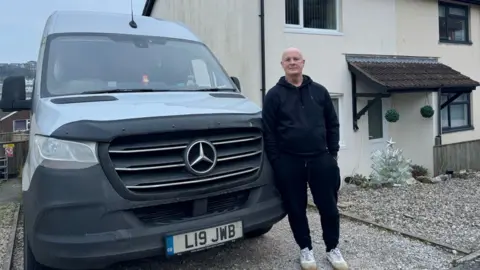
(292, 63)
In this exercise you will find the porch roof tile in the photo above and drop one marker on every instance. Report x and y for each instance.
(408, 72)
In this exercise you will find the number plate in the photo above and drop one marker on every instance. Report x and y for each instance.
(203, 238)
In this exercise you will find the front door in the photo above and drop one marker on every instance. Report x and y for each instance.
(378, 125)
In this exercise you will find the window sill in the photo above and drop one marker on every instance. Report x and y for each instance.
(457, 129)
(468, 43)
(343, 146)
(310, 31)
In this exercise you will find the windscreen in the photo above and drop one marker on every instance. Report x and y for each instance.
(79, 64)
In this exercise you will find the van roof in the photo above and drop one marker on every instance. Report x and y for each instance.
(114, 23)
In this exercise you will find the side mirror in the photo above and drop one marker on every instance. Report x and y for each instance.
(236, 81)
(14, 95)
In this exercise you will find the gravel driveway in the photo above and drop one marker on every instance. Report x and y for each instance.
(7, 211)
(447, 211)
(363, 246)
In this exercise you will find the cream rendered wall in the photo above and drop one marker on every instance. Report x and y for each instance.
(412, 133)
(417, 29)
(230, 28)
(367, 27)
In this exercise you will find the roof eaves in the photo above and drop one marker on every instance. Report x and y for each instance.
(359, 71)
(356, 64)
(7, 115)
(377, 58)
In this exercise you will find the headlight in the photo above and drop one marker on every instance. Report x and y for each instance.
(52, 149)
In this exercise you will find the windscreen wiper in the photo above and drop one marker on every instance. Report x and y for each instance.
(106, 91)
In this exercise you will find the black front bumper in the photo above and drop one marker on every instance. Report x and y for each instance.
(75, 219)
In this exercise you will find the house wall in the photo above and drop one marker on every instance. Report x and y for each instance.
(230, 28)
(7, 124)
(367, 27)
(412, 133)
(418, 34)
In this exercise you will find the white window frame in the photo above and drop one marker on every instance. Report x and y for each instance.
(340, 115)
(298, 28)
(27, 125)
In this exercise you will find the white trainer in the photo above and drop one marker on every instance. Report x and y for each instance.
(307, 260)
(336, 259)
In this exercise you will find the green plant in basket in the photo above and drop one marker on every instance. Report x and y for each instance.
(427, 111)
(392, 116)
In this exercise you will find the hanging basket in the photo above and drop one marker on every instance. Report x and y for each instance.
(427, 111)
(392, 116)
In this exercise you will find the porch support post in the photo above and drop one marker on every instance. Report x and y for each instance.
(438, 138)
(354, 101)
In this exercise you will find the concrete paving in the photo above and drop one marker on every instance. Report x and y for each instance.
(11, 190)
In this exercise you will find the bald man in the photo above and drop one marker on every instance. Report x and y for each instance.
(302, 141)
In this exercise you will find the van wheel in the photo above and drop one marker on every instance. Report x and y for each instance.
(258, 232)
(29, 262)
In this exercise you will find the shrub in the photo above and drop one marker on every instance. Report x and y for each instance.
(419, 170)
(357, 179)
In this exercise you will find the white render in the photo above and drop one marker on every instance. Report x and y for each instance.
(231, 28)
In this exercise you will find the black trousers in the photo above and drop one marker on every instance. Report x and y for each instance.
(322, 174)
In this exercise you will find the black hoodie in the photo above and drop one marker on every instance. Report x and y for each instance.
(299, 120)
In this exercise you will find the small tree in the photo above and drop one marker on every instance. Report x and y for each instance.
(390, 166)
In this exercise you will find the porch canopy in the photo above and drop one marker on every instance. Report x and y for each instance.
(404, 74)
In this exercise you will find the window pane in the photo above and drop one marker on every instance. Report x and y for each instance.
(452, 23)
(335, 105)
(441, 11)
(292, 12)
(445, 117)
(77, 63)
(442, 28)
(458, 115)
(19, 125)
(375, 121)
(444, 97)
(457, 11)
(463, 97)
(456, 29)
(320, 14)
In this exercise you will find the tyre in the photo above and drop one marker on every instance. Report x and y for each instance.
(258, 232)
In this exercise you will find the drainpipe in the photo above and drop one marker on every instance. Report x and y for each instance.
(262, 48)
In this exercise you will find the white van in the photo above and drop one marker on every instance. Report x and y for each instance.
(140, 145)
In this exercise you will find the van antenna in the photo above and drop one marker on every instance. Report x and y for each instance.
(132, 23)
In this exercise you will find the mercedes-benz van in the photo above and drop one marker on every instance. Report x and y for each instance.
(140, 145)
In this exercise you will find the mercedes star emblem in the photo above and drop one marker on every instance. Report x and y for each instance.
(200, 157)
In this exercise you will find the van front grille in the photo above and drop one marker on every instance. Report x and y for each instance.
(157, 161)
(181, 211)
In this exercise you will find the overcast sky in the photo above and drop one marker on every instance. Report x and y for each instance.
(22, 22)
